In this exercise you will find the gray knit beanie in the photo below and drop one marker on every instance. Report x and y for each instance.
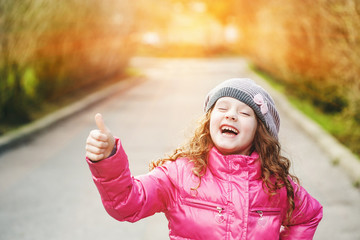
(248, 92)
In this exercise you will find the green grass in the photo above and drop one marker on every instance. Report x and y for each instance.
(330, 123)
(324, 120)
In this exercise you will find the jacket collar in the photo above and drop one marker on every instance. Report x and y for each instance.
(224, 166)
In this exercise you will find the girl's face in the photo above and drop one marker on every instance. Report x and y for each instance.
(232, 126)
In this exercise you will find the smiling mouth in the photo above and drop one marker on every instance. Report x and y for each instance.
(229, 130)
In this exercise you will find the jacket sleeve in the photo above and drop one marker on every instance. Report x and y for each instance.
(305, 218)
(128, 198)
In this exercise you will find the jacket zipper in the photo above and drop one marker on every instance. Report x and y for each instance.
(219, 217)
(261, 220)
(261, 213)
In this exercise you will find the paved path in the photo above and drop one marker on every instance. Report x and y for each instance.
(46, 191)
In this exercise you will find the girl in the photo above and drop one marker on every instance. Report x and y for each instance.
(228, 182)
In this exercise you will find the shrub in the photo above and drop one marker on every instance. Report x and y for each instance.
(52, 48)
(313, 48)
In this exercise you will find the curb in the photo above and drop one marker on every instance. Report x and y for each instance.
(336, 151)
(28, 131)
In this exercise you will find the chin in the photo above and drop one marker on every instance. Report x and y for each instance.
(228, 151)
(233, 151)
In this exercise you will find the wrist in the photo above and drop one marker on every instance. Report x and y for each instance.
(112, 153)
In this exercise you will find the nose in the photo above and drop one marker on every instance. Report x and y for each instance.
(230, 115)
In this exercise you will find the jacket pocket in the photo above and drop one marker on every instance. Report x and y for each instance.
(263, 217)
(217, 209)
(264, 223)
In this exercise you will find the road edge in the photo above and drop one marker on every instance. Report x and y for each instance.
(26, 132)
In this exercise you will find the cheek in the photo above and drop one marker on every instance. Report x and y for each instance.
(212, 127)
(214, 122)
(251, 127)
(254, 128)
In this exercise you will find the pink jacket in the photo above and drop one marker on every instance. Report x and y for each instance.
(229, 204)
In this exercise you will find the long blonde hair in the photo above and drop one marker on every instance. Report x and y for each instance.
(274, 166)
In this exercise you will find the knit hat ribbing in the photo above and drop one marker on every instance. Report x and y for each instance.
(248, 92)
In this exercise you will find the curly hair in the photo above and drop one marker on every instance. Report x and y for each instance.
(196, 149)
(274, 167)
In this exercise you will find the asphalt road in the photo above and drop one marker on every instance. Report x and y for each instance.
(46, 190)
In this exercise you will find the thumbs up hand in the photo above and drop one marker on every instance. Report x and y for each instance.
(100, 142)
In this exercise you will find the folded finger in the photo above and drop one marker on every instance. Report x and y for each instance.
(97, 134)
(96, 143)
(94, 149)
(94, 157)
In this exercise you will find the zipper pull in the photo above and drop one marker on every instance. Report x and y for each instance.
(219, 217)
(260, 213)
(261, 220)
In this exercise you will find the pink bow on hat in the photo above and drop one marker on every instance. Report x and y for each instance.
(259, 100)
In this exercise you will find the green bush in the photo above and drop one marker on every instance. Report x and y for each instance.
(18, 94)
(50, 49)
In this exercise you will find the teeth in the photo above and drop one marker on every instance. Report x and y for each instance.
(227, 128)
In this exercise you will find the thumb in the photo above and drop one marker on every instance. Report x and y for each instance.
(100, 123)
